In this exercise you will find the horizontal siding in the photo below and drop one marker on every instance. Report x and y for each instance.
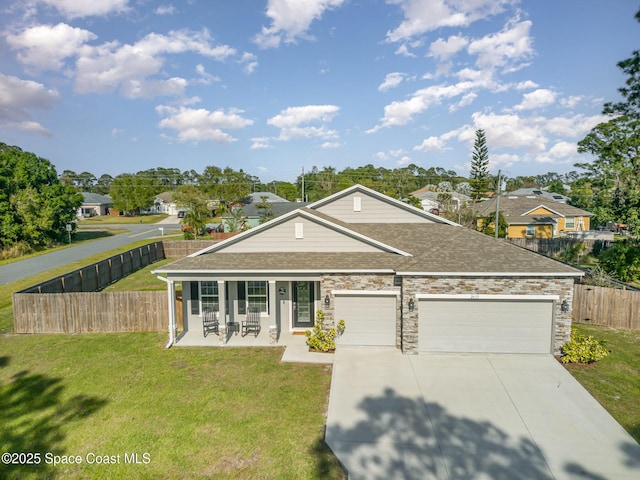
(316, 238)
(373, 210)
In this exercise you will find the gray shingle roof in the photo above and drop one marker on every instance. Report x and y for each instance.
(435, 248)
(89, 198)
(514, 208)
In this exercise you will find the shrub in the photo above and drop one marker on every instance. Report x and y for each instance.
(323, 339)
(583, 349)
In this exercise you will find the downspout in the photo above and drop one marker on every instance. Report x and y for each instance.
(171, 317)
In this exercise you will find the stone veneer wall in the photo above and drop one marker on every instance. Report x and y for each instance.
(364, 282)
(562, 286)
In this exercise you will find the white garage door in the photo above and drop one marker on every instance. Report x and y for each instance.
(497, 326)
(370, 319)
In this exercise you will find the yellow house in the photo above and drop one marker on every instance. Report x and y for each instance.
(535, 217)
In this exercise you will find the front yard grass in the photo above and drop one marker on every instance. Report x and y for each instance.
(197, 412)
(122, 219)
(615, 380)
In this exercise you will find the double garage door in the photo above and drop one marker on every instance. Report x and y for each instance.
(370, 319)
(485, 325)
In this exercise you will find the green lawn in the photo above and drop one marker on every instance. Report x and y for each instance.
(196, 412)
(79, 236)
(121, 219)
(615, 380)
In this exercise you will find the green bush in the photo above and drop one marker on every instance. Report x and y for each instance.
(583, 349)
(323, 339)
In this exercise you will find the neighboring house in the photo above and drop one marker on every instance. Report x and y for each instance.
(397, 275)
(163, 203)
(535, 217)
(431, 200)
(537, 192)
(94, 204)
(257, 205)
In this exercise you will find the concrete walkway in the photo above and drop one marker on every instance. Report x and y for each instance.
(470, 417)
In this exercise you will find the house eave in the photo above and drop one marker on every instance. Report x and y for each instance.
(490, 274)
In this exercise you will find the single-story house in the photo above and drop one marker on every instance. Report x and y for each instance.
(94, 204)
(435, 200)
(397, 275)
(256, 206)
(539, 192)
(535, 217)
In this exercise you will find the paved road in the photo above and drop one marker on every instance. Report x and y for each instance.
(32, 266)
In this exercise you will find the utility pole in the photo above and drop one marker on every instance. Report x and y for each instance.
(498, 204)
(303, 184)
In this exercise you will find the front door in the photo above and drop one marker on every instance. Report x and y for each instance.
(303, 314)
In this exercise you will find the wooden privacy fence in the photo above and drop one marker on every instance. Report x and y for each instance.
(552, 247)
(102, 274)
(610, 307)
(90, 312)
(182, 248)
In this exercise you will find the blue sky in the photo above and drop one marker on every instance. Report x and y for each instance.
(272, 86)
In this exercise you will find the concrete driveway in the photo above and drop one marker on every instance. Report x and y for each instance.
(470, 417)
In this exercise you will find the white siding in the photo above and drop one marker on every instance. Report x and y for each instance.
(497, 326)
(372, 210)
(282, 238)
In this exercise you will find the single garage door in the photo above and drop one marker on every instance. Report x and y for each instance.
(497, 326)
(370, 319)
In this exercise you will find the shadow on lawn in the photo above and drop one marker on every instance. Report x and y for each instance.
(34, 414)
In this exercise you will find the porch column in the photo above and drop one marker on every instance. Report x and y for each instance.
(222, 301)
(273, 312)
(171, 292)
(222, 315)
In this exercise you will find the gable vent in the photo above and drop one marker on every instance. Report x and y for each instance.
(357, 204)
(299, 230)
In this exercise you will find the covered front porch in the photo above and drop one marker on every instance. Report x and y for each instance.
(236, 311)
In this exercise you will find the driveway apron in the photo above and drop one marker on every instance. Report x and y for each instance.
(476, 416)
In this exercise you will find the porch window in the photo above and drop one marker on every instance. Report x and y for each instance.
(257, 295)
(209, 296)
(531, 230)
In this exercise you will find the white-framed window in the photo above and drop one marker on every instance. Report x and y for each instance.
(531, 230)
(569, 222)
(258, 295)
(209, 296)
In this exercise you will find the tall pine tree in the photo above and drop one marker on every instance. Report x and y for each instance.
(479, 180)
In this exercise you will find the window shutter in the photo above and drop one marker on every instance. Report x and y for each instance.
(299, 230)
(194, 288)
(357, 204)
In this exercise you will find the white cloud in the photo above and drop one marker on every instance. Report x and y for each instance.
(291, 121)
(201, 124)
(526, 85)
(406, 160)
(111, 66)
(18, 97)
(331, 145)
(422, 16)
(536, 99)
(445, 49)
(250, 62)
(86, 8)
(572, 101)
(431, 144)
(47, 46)
(504, 49)
(166, 10)
(291, 20)
(401, 112)
(391, 80)
(260, 143)
(205, 77)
